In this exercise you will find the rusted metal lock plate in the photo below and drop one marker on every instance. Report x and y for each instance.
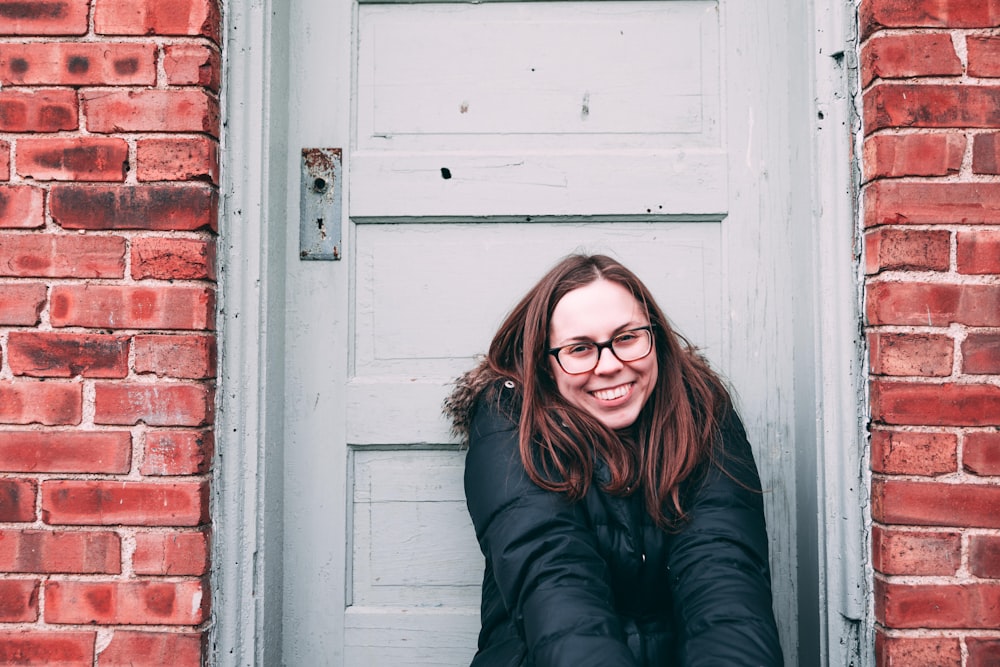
(320, 204)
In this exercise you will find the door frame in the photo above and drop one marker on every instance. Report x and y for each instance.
(249, 597)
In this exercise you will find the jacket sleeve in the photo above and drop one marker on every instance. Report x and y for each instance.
(718, 563)
(550, 576)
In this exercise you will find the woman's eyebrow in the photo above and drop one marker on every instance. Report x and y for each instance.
(633, 324)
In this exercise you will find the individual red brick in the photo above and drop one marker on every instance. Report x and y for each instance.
(66, 451)
(126, 603)
(73, 159)
(192, 65)
(106, 503)
(911, 354)
(923, 404)
(917, 651)
(21, 207)
(154, 17)
(984, 556)
(178, 356)
(909, 55)
(129, 648)
(981, 354)
(978, 252)
(986, 153)
(937, 606)
(915, 553)
(981, 453)
(48, 403)
(155, 404)
(931, 203)
(894, 155)
(913, 453)
(170, 553)
(45, 647)
(892, 248)
(983, 651)
(160, 207)
(174, 110)
(78, 63)
(62, 256)
(4, 160)
(45, 551)
(17, 499)
(43, 17)
(177, 159)
(173, 259)
(21, 303)
(935, 504)
(984, 56)
(42, 354)
(894, 105)
(127, 307)
(878, 14)
(933, 304)
(38, 111)
(18, 602)
(178, 453)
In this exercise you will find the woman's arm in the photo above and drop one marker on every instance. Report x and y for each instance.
(719, 567)
(550, 576)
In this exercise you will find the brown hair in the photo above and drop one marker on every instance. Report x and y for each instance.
(559, 442)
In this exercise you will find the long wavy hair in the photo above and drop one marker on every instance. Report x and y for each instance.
(559, 442)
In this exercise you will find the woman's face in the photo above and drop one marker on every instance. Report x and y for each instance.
(615, 391)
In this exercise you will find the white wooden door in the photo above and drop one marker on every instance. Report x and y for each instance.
(481, 143)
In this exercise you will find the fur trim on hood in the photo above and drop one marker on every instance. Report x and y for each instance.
(460, 403)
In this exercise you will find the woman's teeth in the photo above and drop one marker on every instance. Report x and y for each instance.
(613, 393)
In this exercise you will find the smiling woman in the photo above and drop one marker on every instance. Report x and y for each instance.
(611, 486)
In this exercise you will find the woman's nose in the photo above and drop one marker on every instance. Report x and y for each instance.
(607, 362)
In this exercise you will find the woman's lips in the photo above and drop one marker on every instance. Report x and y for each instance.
(613, 393)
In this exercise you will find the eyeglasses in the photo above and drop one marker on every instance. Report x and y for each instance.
(583, 357)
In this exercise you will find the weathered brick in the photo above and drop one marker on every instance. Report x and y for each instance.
(17, 499)
(935, 404)
(978, 252)
(927, 355)
(43, 17)
(936, 504)
(178, 452)
(127, 307)
(21, 207)
(38, 111)
(42, 354)
(913, 453)
(179, 356)
(937, 606)
(45, 551)
(78, 64)
(909, 55)
(908, 552)
(984, 56)
(986, 153)
(878, 14)
(66, 451)
(981, 453)
(130, 648)
(73, 159)
(896, 249)
(983, 651)
(155, 404)
(21, 303)
(931, 203)
(174, 110)
(18, 602)
(177, 159)
(62, 256)
(917, 651)
(39, 402)
(173, 259)
(984, 556)
(981, 354)
(4, 160)
(107, 503)
(170, 553)
(160, 207)
(46, 647)
(192, 65)
(154, 17)
(932, 304)
(126, 603)
(894, 105)
(895, 155)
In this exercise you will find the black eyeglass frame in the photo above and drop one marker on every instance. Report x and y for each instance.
(607, 345)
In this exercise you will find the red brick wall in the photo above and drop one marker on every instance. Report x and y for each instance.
(109, 120)
(931, 107)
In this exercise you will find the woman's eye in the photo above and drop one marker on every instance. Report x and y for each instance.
(626, 338)
(578, 350)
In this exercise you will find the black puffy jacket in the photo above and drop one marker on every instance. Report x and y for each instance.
(597, 583)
